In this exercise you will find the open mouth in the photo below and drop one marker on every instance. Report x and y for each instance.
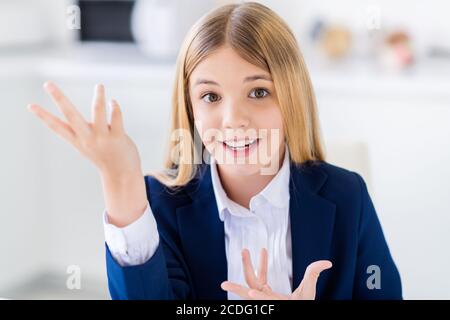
(241, 147)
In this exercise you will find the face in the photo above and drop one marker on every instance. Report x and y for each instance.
(236, 113)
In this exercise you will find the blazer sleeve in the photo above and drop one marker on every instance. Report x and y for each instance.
(160, 278)
(165, 275)
(376, 275)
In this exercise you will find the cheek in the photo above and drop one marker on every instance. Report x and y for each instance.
(272, 120)
(273, 136)
(280, 127)
(207, 124)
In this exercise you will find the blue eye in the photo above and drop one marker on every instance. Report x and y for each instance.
(215, 97)
(259, 93)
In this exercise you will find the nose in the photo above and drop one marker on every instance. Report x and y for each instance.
(235, 116)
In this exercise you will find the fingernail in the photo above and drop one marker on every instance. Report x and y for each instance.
(48, 86)
(30, 108)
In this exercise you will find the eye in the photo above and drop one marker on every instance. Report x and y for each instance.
(259, 93)
(212, 97)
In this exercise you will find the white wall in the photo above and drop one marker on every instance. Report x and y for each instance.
(23, 241)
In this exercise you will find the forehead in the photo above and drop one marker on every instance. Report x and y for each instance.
(225, 62)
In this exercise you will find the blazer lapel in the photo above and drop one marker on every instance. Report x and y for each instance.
(203, 239)
(312, 220)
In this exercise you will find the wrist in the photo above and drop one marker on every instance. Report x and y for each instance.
(125, 197)
(123, 179)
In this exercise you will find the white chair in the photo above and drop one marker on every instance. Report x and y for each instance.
(353, 156)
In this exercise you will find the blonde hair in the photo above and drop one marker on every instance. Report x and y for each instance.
(262, 38)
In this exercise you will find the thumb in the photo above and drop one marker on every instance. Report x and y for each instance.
(307, 288)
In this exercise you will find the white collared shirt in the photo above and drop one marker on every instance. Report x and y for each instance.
(265, 225)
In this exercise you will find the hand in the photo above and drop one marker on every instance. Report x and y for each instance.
(258, 289)
(107, 146)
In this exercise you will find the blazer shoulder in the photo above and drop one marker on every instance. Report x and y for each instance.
(160, 194)
(173, 197)
(340, 182)
(341, 175)
(346, 190)
(165, 202)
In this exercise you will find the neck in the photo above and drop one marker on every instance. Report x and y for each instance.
(241, 188)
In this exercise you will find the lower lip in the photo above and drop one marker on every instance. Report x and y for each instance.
(245, 152)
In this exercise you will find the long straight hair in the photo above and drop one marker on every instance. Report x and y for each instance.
(263, 39)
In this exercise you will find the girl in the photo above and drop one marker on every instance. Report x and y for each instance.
(255, 187)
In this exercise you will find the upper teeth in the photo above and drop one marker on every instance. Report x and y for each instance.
(239, 144)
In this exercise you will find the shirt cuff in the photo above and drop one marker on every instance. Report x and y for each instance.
(133, 244)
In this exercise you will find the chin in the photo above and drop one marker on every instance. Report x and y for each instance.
(241, 169)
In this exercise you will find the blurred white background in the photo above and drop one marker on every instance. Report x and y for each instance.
(387, 121)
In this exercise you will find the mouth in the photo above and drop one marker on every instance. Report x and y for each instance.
(240, 147)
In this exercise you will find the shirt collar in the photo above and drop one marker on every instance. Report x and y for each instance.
(276, 192)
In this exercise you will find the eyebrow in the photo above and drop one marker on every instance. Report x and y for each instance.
(246, 79)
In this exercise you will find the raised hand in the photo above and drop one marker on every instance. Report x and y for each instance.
(106, 145)
(258, 289)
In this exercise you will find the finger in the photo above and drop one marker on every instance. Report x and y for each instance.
(266, 294)
(307, 288)
(54, 123)
(249, 272)
(262, 270)
(116, 118)
(260, 295)
(268, 290)
(236, 289)
(75, 119)
(99, 109)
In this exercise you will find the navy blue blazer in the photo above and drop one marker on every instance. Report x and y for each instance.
(332, 217)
